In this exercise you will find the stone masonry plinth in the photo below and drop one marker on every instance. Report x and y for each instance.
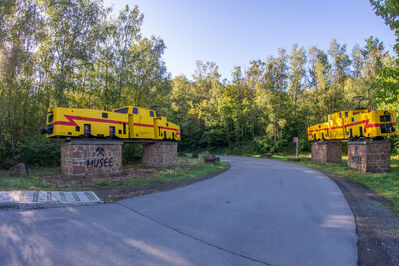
(91, 157)
(160, 155)
(327, 151)
(370, 156)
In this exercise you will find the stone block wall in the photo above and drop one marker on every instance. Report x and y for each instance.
(327, 151)
(370, 156)
(91, 158)
(160, 155)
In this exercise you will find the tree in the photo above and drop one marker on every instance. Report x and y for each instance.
(389, 11)
(340, 72)
(72, 28)
(297, 61)
(367, 62)
(321, 92)
(147, 81)
(20, 24)
(387, 80)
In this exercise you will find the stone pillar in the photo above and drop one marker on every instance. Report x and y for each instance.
(160, 155)
(370, 156)
(91, 157)
(327, 151)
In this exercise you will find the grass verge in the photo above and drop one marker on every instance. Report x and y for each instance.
(132, 176)
(385, 185)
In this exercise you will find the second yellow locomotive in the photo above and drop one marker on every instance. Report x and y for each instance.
(354, 124)
(129, 122)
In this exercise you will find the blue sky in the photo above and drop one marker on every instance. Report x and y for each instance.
(235, 32)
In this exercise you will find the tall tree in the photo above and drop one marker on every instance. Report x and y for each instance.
(387, 81)
(340, 72)
(72, 28)
(20, 24)
(297, 61)
(389, 11)
(367, 62)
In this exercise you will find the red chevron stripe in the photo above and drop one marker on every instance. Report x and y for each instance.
(90, 119)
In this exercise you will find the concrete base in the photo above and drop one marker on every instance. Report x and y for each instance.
(327, 152)
(91, 157)
(160, 155)
(370, 156)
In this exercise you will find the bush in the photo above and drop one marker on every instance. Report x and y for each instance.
(131, 152)
(264, 145)
(38, 150)
(395, 144)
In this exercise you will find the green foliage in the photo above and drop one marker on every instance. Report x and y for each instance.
(131, 152)
(39, 151)
(387, 81)
(389, 11)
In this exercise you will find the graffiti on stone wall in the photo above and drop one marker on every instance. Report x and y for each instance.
(101, 160)
(356, 158)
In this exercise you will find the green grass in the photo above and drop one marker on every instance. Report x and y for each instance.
(385, 185)
(51, 179)
(9, 181)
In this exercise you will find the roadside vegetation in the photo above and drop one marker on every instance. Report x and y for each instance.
(134, 175)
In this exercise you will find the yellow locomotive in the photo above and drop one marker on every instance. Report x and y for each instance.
(352, 124)
(129, 122)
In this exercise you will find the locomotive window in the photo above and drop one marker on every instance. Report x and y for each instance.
(152, 113)
(330, 117)
(167, 124)
(105, 115)
(135, 111)
(122, 111)
(340, 115)
(346, 114)
(50, 119)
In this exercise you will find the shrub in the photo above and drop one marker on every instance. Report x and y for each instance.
(39, 150)
(131, 152)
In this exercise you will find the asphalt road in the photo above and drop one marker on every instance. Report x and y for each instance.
(258, 212)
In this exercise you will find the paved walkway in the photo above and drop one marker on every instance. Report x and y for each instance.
(39, 199)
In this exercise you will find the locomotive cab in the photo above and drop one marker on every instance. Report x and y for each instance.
(141, 121)
(166, 130)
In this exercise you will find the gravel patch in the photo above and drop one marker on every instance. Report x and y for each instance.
(377, 227)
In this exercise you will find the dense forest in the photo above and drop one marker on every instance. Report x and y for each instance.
(75, 53)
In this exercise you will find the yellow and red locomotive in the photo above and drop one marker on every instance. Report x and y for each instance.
(129, 122)
(352, 124)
